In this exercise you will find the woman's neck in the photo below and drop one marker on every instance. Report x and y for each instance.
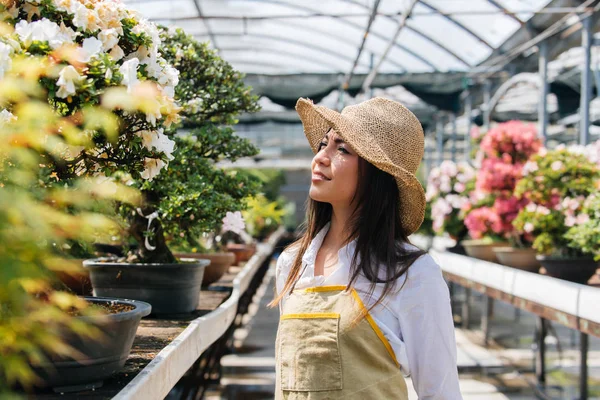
(339, 228)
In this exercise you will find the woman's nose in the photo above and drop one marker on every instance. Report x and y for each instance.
(322, 157)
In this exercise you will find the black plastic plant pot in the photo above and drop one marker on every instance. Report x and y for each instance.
(99, 357)
(169, 288)
(576, 269)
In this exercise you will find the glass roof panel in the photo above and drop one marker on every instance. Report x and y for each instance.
(325, 35)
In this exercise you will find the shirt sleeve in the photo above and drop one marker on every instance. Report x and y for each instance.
(427, 329)
(281, 272)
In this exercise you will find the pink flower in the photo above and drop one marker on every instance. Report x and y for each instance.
(459, 187)
(528, 227)
(582, 218)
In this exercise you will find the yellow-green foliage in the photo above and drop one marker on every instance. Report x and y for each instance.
(262, 216)
(39, 216)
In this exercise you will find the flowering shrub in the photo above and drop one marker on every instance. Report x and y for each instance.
(505, 149)
(513, 142)
(447, 188)
(90, 47)
(556, 183)
(38, 221)
(584, 233)
(193, 195)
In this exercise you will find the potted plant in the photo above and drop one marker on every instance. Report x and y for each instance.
(504, 148)
(51, 337)
(556, 183)
(195, 194)
(584, 234)
(447, 192)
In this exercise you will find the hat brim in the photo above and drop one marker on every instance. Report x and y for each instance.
(317, 120)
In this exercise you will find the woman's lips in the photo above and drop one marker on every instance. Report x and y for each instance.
(319, 177)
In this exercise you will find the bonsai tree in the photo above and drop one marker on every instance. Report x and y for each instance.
(556, 183)
(193, 195)
(39, 218)
(505, 149)
(99, 52)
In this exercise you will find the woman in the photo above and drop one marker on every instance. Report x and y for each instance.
(360, 306)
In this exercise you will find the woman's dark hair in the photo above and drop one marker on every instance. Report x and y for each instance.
(376, 226)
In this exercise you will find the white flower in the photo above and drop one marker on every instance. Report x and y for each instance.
(543, 210)
(159, 141)
(448, 168)
(234, 222)
(89, 48)
(85, 18)
(582, 218)
(6, 117)
(459, 187)
(43, 30)
(570, 221)
(117, 53)
(68, 78)
(152, 167)
(528, 227)
(531, 207)
(557, 165)
(5, 60)
(529, 167)
(109, 38)
(129, 72)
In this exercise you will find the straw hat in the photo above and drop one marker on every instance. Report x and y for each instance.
(384, 133)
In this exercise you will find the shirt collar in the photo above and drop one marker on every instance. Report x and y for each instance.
(345, 254)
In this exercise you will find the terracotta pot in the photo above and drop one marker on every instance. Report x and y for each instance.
(219, 264)
(242, 252)
(77, 281)
(481, 250)
(523, 259)
(575, 269)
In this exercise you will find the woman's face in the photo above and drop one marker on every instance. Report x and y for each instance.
(334, 172)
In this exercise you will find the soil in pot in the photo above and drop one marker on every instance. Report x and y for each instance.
(242, 252)
(523, 259)
(481, 250)
(576, 269)
(98, 358)
(219, 264)
(169, 288)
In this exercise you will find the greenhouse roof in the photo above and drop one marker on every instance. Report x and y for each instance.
(291, 48)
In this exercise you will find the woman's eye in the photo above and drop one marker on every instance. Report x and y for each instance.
(321, 145)
(343, 150)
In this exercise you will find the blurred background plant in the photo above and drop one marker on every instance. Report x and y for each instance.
(504, 150)
(556, 183)
(448, 187)
(585, 233)
(42, 216)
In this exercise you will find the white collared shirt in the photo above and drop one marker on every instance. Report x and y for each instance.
(416, 320)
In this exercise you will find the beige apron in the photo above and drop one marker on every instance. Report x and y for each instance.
(322, 352)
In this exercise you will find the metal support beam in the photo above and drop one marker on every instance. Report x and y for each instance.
(488, 307)
(466, 310)
(206, 24)
(468, 110)
(401, 25)
(439, 136)
(487, 107)
(543, 102)
(540, 360)
(586, 84)
(583, 367)
(453, 133)
(362, 44)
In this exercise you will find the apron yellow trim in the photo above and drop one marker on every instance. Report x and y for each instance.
(310, 316)
(378, 331)
(322, 289)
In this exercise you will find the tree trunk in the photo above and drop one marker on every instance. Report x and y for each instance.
(158, 251)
